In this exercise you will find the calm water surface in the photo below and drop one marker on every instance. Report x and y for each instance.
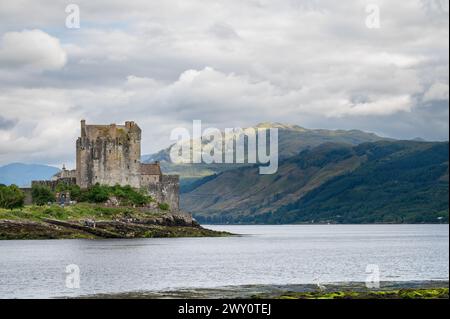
(264, 255)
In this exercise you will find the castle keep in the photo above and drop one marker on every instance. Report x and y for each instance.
(111, 155)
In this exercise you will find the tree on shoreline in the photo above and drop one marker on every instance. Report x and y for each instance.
(11, 197)
(42, 195)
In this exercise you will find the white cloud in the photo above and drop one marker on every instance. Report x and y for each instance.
(31, 48)
(437, 92)
(209, 93)
(229, 63)
(382, 106)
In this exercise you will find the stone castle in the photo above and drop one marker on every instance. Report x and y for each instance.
(111, 155)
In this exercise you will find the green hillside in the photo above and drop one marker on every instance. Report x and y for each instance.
(292, 139)
(381, 182)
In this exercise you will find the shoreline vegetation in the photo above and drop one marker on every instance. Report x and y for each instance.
(96, 221)
(97, 212)
(349, 290)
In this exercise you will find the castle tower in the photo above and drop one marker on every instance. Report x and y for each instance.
(109, 155)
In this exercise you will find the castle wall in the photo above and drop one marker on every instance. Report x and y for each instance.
(53, 183)
(166, 191)
(149, 179)
(109, 155)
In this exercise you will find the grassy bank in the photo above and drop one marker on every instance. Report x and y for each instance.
(74, 212)
(92, 221)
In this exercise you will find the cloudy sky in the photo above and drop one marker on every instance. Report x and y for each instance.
(229, 63)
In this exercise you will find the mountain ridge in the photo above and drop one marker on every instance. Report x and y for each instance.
(292, 140)
(307, 186)
(22, 174)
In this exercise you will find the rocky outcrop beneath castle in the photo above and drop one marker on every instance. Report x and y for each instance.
(176, 218)
(101, 222)
(24, 229)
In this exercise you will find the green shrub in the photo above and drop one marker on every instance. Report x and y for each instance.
(97, 194)
(126, 195)
(42, 195)
(61, 187)
(129, 196)
(164, 206)
(11, 197)
(75, 192)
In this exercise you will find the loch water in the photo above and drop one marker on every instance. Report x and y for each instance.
(291, 254)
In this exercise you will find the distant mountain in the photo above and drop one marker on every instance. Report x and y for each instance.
(292, 140)
(380, 182)
(22, 174)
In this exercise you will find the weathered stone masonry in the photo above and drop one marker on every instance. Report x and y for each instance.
(166, 191)
(110, 155)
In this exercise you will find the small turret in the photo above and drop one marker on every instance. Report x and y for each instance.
(83, 128)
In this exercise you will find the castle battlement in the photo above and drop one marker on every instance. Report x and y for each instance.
(111, 155)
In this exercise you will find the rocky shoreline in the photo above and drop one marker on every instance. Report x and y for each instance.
(346, 290)
(108, 223)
